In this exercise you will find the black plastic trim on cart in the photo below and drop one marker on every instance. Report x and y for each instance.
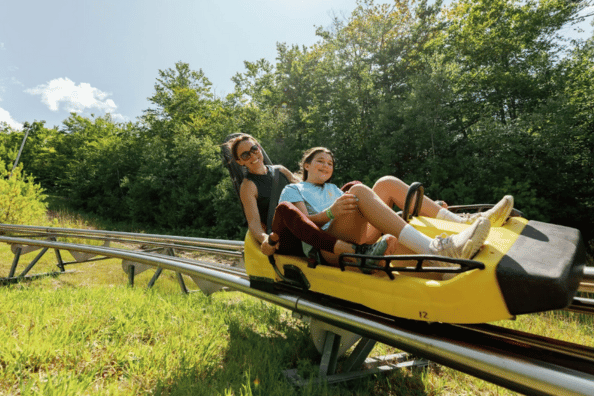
(543, 268)
(458, 265)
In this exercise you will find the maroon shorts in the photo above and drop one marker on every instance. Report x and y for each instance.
(293, 227)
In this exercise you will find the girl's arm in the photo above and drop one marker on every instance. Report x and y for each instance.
(319, 218)
(343, 205)
(248, 194)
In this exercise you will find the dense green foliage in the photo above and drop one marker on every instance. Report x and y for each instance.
(475, 100)
(21, 199)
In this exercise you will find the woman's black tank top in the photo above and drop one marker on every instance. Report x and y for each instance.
(264, 187)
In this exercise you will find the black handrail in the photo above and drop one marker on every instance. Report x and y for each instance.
(361, 263)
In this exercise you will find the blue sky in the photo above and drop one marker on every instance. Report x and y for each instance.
(98, 56)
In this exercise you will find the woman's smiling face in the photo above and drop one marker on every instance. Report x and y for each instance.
(320, 170)
(249, 156)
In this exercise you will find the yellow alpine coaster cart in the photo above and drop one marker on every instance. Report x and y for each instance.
(524, 267)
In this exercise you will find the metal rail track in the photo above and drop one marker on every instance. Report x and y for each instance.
(129, 237)
(220, 247)
(519, 361)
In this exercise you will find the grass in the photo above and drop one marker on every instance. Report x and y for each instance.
(88, 333)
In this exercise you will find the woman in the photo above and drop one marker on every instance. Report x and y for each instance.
(362, 214)
(291, 225)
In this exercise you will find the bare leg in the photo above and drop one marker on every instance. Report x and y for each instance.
(339, 248)
(393, 191)
(372, 210)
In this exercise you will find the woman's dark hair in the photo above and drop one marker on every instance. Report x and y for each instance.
(308, 157)
(234, 143)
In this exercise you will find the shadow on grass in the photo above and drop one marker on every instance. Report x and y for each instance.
(254, 362)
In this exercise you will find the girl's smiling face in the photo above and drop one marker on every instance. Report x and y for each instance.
(320, 169)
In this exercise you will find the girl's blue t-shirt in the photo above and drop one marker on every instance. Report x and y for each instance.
(316, 198)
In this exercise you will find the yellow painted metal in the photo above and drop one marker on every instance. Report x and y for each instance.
(470, 297)
(256, 263)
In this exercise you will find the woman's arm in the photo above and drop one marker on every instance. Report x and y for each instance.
(248, 194)
(289, 175)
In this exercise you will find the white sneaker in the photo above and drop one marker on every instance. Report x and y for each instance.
(497, 215)
(463, 245)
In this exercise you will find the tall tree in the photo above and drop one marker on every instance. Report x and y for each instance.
(505, 52)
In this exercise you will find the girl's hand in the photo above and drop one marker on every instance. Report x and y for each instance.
(344, 205)
(443, 204)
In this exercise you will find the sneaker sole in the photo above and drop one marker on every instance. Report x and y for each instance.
(498, 221)
(477, 239)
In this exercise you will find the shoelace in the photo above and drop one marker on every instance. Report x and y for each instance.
(369, 250)
(444, 246)
(469, 217)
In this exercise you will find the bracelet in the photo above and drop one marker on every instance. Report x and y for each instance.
(329, 214)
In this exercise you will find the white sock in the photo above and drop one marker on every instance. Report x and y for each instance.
(414, 240)
(445, 214)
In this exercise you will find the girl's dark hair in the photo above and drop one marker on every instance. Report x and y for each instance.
(234, 143)
(308, 157)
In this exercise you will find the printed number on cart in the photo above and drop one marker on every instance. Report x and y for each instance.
(422, 314)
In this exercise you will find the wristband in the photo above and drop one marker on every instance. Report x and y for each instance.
(329, 214)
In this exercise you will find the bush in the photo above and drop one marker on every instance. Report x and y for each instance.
(21, 200)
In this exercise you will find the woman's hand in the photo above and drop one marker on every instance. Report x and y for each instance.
(344, 205)
(270, 244)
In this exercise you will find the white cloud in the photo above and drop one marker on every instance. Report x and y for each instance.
(74, 98)
(5, 117)
(2, 46)
(11, 81)
(119, 118)
(14, 81)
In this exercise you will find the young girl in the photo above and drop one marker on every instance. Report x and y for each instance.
(290, 224)
(362, 214)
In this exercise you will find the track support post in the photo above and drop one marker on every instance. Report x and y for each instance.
(33, 262)
(17, 256)
(330, 354)
(357, 365)
(131, 276)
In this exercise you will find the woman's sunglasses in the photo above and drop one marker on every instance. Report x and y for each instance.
(247, 154)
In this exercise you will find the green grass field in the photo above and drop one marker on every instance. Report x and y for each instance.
(88, 333)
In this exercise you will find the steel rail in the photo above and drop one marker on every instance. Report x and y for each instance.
(587, 283)
(228, 248)
(509, 364)
(127, 236)
(227, 269)
(582, 305)
(198, 246)
(219, 246)
(534, 341)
